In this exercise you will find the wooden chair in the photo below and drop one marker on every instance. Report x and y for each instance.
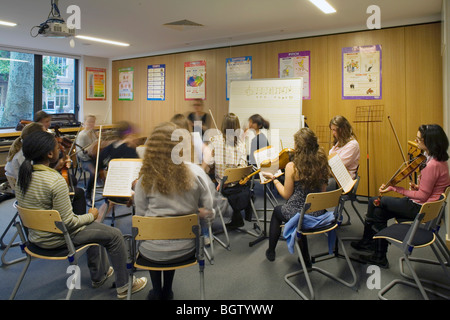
(315, 202)
(435, 226)
(408, 236)
(49, 221)
(167, 228)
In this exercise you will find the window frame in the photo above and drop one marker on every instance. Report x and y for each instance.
(37, 90)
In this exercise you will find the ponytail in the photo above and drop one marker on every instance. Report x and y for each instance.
(260, 121)
(36, 147)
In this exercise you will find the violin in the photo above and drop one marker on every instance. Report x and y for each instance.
(401, 174)
(64, 143)
(280, 162)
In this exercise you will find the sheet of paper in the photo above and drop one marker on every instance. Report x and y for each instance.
(341, 173)
(271, 154)
(121, 174)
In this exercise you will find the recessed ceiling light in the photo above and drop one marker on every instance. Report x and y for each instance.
(9, 24)
(323, 5)
(103, 40)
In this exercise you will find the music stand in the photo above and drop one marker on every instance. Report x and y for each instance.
(369, 114)
(323, 134)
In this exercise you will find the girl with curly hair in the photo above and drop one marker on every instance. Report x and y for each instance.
(308, 172)
(168, 187)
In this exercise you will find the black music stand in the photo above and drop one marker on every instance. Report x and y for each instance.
(369, 114)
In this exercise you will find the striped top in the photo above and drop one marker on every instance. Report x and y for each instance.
(49, 191)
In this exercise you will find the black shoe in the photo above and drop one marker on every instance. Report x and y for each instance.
(364, 245)
(270, 255)
(153, 295)
(167, 296)
(382, 262)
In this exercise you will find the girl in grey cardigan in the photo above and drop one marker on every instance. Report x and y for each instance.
(166, 189)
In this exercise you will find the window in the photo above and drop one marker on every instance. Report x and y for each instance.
(32, 82)
(17, 87)
(58, 84)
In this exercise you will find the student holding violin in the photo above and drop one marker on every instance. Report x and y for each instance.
(433, 180)
(307, 172)
(40, 187)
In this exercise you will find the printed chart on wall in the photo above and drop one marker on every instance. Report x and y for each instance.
(361, 72)
(95, 83)
(238, 69)
(296, 65)
(156, 82)
(195, 80)
(126, 83)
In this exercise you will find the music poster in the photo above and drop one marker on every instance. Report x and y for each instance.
(361, 72)
(296, 65)
(195, 80)
(237, 69)
(156, 82)
(126, 83)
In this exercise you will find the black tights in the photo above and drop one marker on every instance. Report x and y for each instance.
(275, 227)
(156, 277)
(275, 232)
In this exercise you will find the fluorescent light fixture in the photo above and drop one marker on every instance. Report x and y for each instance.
(16, 60)
(9, 24)
(323, 5)
(103, 41)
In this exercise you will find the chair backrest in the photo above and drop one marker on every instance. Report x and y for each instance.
(322, 200)
(236, 174)
(165, 228)
(42, 220)
(431, 210)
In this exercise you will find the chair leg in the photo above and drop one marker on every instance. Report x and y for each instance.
(19, 281)
(11, 244)
(304, 270)
(427, 261)
(416, 284)
(11, 223)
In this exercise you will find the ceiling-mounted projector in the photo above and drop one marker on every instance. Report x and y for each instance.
(54, 26)
(56, 30)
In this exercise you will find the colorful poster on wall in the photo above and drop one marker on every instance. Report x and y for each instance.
(361, 72)
(156, 82)
(126, 83)
(195, 80)
(95, 83)
(237, 69)
(296, 65)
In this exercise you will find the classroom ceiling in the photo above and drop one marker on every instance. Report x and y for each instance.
(224, 23)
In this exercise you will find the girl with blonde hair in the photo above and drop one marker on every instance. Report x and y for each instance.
(168, 188)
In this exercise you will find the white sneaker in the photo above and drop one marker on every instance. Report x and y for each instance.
(138, 285)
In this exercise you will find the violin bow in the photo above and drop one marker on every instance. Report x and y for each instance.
(396, 138)
(96, 167)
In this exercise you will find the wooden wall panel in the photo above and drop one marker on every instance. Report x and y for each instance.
(411, 89)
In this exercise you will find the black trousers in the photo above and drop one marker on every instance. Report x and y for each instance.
(390, 207)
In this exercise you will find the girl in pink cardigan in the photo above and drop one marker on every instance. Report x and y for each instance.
(433, 180)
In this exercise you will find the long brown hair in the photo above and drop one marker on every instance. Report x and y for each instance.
(230, 122)
(344, 130)
(159, 172)
(310, 160)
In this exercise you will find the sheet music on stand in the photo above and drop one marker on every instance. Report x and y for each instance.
(121, 174)
(369, 114)
(268, 153)
(340, 173)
